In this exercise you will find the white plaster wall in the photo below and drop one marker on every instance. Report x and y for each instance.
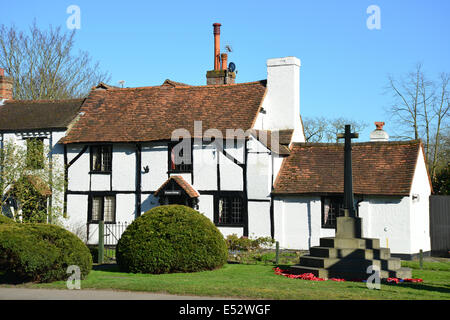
(259, 170)
(123, 167)
(420, 211)
(277, 163)
(148, 201)
(230, 173)
(125, 207)
(205, 167)
(297, 222)
(78, 172)
(226, 231)
(389, 221)
(154, 155)
(100, 182)
(206, 206)
(258, 219)
(282, 99)
(77, 208)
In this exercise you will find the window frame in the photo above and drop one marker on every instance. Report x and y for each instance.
(230, 195)
(102, 215)
(170, 146)
(91, 159)
(335, 200)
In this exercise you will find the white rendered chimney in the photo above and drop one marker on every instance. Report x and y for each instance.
(379, 134)
(282, 101)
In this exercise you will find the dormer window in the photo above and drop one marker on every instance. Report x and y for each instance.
(101, 159)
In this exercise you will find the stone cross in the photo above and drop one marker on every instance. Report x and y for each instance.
(349, 205)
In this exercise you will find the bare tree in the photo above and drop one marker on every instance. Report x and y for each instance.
(315, 128)
(321, 129)
(420, 109)
(43, 65)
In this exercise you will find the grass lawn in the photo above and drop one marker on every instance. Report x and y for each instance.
(259, 282)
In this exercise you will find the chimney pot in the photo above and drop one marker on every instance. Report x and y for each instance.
(224, 58)
(220, 74)
(379, 125)
(216, 28)
(379, 134)
(216, 46)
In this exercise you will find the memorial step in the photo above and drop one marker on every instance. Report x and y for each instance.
(382, 253)
(350, 243)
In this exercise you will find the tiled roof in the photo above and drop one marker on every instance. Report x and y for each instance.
(190, 191)
(153, 113)
(42, 114)
(379, 168)
(171, 83)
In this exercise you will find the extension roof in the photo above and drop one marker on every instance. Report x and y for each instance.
(183, 184)
(25, 115)
(153, 113)
(379, 168)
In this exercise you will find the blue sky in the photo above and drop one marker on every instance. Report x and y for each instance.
(344, 64)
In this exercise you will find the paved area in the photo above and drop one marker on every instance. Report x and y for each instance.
(8, 293)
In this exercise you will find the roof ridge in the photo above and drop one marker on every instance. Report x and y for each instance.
(261, 82)
(340, 144)
(45, 100)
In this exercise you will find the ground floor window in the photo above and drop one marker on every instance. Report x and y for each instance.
(102, 208)
(229, 209)
(332, 207)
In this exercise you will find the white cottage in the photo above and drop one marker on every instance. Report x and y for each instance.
(237, 153)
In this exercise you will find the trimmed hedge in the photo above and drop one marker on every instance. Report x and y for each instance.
(171, 238)
(40, 252)
(5, 220)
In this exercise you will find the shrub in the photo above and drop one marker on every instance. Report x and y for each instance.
(40, 252)
(171, 238)
(246, 244)
(5, 220)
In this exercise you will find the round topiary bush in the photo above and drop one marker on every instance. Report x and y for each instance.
(171, 238)
(40, 252)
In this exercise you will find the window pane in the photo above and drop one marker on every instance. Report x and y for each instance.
(224, 210)
(109, 209)
(95, 159)
(236, 210)
(97, 203)
(326, 210)
(106, 158)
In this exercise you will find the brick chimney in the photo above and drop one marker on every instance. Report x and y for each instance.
(379, 134)
(220, 74)
(6, 85)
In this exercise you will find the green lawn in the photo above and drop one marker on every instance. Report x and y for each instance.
(259, 282)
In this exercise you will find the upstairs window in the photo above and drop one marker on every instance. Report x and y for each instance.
(180, 160)
(35, 153)
(101, 159)
(332, 207)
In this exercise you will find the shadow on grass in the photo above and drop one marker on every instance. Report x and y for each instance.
(421, 286)
(107, 267)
